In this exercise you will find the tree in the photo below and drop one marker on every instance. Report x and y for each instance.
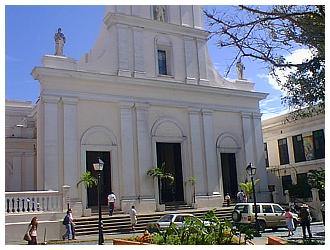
(268, 34)
(87, 179)
(316, 179)
(247, 187)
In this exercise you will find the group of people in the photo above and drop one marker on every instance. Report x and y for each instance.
(304, 217)
(132, 212)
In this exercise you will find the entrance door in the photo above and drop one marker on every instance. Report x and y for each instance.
(92, 157)
(170, 153)
(229, 174)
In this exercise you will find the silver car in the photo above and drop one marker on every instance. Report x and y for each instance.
(178, 219)
(270, 215)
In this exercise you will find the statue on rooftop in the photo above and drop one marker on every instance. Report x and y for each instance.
(59, 42)
(240, 68)
(160, 13)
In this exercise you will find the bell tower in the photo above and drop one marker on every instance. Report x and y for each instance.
(162, 42)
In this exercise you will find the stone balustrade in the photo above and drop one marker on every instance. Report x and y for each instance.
(38, 201)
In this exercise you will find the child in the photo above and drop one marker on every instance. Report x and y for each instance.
(289, 221)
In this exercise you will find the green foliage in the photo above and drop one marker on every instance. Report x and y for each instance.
(300, 190)
(160, 173)
(87, 179)
(316, 179)
(247, 187)
(192, 180)
(247, 231)
(195, 232)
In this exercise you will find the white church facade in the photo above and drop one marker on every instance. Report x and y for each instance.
(145, 94)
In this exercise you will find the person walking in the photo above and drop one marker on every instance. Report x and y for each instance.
(73, 230)
(227, 199)
(305, 220)
(32, 231)
(289, 221)
(67, 223)
(111, 202)
(133, 217)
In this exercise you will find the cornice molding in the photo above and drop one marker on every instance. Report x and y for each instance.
(163, 27)
(42, 72)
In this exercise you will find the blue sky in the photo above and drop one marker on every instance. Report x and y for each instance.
(30, 35)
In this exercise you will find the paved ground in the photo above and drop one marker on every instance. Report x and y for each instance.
(316, 228)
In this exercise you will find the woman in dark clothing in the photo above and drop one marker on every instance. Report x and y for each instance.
(33, 231)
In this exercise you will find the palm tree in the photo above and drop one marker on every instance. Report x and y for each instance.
(247, 187)
(160, 174)
(87, 179)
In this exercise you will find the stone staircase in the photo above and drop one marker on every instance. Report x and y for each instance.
(120, 222)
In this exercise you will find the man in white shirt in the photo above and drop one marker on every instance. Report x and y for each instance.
(111, 202)
(132, 215)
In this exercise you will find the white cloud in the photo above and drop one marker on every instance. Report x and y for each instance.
(277, 111)
(296, 56)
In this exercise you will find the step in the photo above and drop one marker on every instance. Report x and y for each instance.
(120, 223)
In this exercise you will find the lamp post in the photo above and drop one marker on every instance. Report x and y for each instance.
(251, 171)
(98, 167)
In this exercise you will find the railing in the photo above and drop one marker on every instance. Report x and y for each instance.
(38, 201)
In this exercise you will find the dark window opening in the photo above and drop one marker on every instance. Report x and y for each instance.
(298, 148)
(162, 67)
(283, 151)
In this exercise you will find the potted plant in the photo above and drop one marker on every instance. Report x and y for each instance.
(247, 187)
(159, 174)
(89, 181)
(192, 181)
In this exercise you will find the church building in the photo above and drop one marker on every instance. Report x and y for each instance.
(146, 95)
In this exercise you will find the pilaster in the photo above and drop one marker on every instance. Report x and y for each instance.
(198, 165)
(201, 53)
(51, 143)
(139, 66)
(70, 144)
(127, 151)
(144, 149)
(123, 50)
(210, 153)
(191, 60)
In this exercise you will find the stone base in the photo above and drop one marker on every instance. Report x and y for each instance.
(59, 62)
(190, 80)
(244, 85)
(212, 201)
(124, 72)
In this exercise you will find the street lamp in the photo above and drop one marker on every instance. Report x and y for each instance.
(98, 167)
(251, 171)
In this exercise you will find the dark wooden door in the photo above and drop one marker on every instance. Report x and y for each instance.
(229, 174)
(92, 157)
(170, 153)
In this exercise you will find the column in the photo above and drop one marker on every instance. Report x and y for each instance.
(144, 150)
(201, 53)
(290, 149)
(70, 145)
(248, 138)
(127, 151)
(123, 50)
(260, 157)
(139, 68)
(210, 153)
(28, 171)
(198, 166)
(51, 147)
(17, 172)
(191, 60)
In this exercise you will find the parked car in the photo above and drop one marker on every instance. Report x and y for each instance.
(270, 215)
(166, 220)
